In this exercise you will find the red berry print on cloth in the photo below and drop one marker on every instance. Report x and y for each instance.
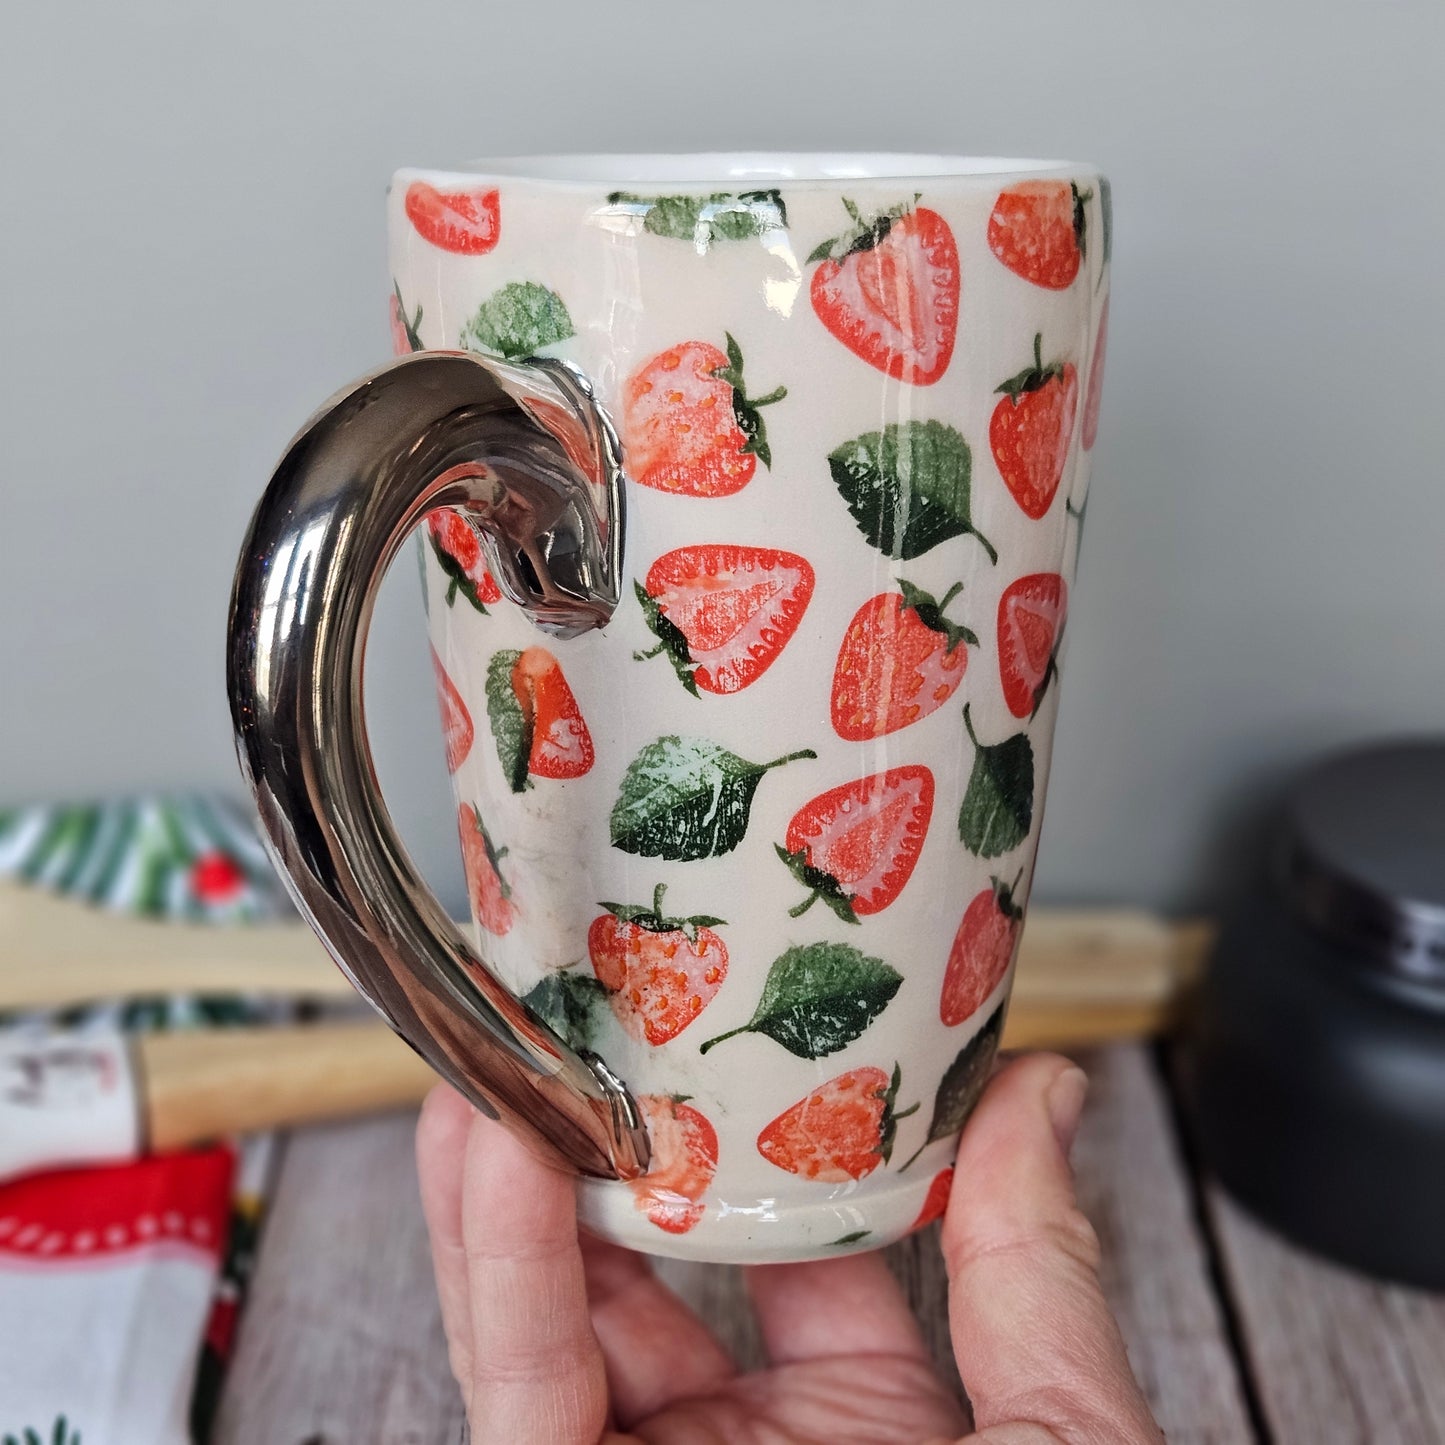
(459, 554)
(935, 1205)
(855, 846)
(1031, 429)
(688, 424)
(1096, 381)
(457, 727)
(983, 948)
(1030, 623)
(888, 290)
(723, 613)
(488, 890)
(537, 725)
(900, 660)
(684, 1160)
(843, 1130)
(467, 222)
(1037, 230)
(659, 972)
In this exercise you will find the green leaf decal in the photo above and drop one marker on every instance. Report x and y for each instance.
(410, 324)
(820, 885)
(818, 998)
(998, 807)
(854, 1238)
(511, 726)
(457, 579)
(721, 216)
(962, 1084)
(517, 321)
(568, 1003)
(687, 798)
(671, 641)
(908, 487)
(1106, 219)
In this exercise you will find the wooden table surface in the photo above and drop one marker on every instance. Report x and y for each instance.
(1236, 1336)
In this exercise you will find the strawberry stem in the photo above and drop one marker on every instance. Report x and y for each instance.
(787, 758)
(731, 1034)
(987, 546)
(968, 725)
(657, 898)
(915, 1153)
(799, 909)
(949, 595)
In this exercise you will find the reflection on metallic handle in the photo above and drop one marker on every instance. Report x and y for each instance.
(534, 461)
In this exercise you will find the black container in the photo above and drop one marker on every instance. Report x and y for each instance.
(1315, 1058)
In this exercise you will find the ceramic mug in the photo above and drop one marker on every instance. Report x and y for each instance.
(748, 491)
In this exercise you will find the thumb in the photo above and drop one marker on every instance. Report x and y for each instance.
(1038, 1350)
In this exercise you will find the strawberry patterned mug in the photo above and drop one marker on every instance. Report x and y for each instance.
(747, 492)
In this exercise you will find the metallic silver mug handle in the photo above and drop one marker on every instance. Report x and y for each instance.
(525, 449)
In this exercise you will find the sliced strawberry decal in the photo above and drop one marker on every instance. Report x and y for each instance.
(900, 660)
(888, 290)
(1031, 429)
(935, 1204)
(405, 331)
(467, 222)
(723, 613)
(1096, 380)
(983, 948)
(660, 972)
(537, 725)
(856, 846)
(1037, 230)
(1030, 626)
(488, 890)
(684, 1160)
(690, 426)
(456, 720)
(843, 1130)
(458, 551)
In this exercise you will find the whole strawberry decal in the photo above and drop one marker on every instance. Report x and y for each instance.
(457, 729)
(1096, 381)
(488, 890)
(963, 1083)
(843, 1130)
(458, 551)
(900, 660)
(908, 487)
(405, 329)
(517, 321)
(537, 725)
(983, 948)
(818, 998)
(855, 846)
(690, 426)
(723, 613)
(1030, 626)
(1038, 230)
(467, 222)
(1031, 428)
(688, 798)
(887, 288)
(684, 1160)
(998, 805)
(659, 972)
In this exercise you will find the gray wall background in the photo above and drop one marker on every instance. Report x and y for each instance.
(193, 257)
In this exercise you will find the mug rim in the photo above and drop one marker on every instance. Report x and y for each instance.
(712, 169)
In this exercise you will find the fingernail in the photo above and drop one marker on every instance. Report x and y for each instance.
(1065, 1101)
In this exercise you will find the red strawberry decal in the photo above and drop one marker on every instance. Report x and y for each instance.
(689, 424)
(856, 846)
(468, 222)
(684, 1160)
(216, 878)
(1030, 622)
(1037, 230)
(723, 613)
(482, 863)
(935, 1205)
(457, 727)
(660, 972)
(843, 1130)
(900, 660)
(405, 330)
(1031, 429)
(983, 948)
(459, 554)
(1096, 380)
(888, 290)
(535, 719)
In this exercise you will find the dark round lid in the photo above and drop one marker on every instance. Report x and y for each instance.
(1363, 855)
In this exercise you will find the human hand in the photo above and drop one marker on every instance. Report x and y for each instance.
(561, 1340)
